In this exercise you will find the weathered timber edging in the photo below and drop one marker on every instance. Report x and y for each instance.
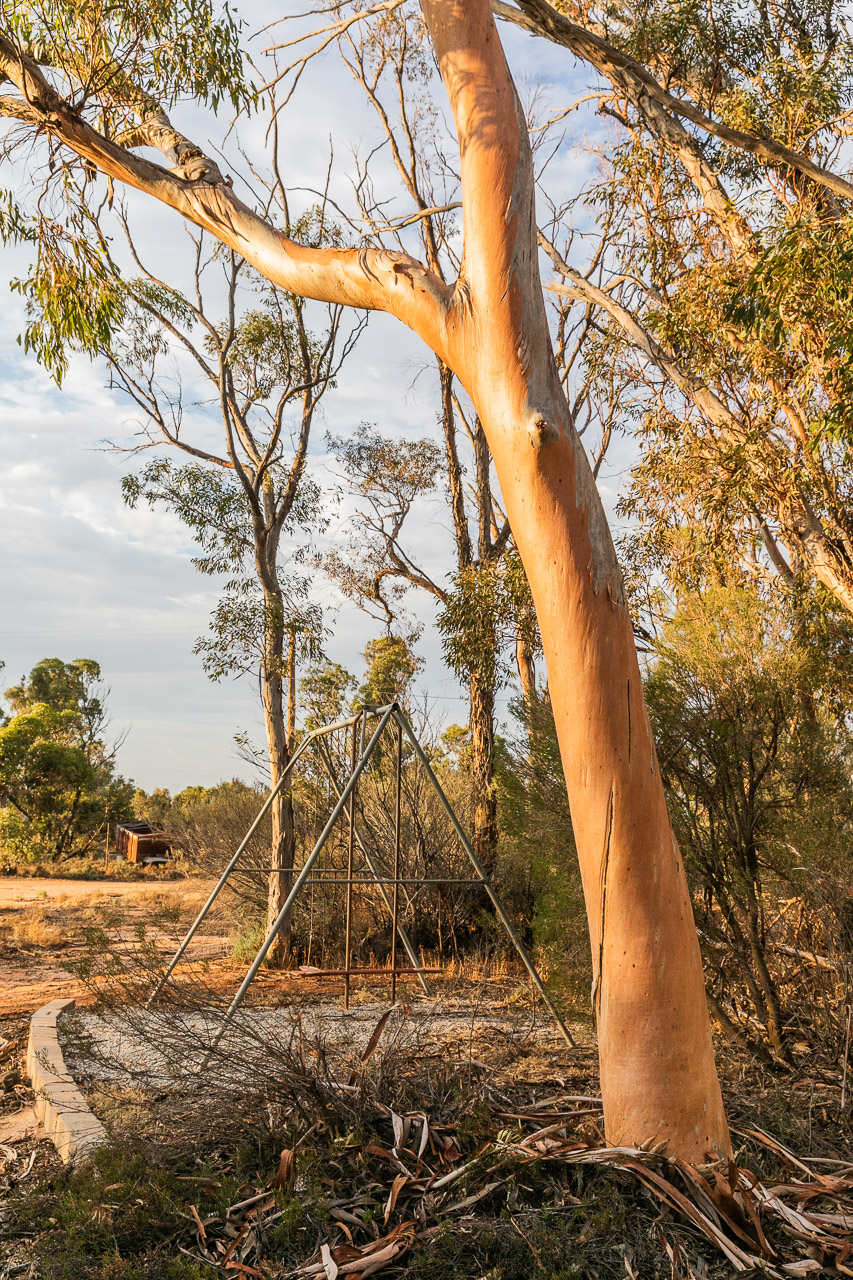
(59, 1104)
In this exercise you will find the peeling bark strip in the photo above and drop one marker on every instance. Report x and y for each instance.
(605, 865)
(658, 1078)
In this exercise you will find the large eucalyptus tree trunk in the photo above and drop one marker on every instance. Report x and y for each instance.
(658, 1079)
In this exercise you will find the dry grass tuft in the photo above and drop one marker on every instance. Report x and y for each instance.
(34, 928)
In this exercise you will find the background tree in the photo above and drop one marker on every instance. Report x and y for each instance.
(155, 807)
(266, 373)
(65, 686)
(722, 276)
(391, 668)
(324, 690)
(58, 785)
(484, 602)
(751, 752)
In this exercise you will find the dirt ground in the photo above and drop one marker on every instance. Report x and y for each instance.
(43, 927)
(16, 893)
(479, 1069)
(43, 924)
(43, 937)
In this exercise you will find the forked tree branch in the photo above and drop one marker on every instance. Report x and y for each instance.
(630, 76)
(370, 279)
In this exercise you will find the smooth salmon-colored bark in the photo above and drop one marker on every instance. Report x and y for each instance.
(658, 1077)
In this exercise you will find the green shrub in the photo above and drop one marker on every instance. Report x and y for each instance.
(246, 940)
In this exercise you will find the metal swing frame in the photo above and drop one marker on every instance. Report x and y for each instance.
(360, 756)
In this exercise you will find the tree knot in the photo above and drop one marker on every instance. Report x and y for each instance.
(542, 432)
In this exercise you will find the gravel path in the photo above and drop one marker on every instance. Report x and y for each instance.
(161, 1048)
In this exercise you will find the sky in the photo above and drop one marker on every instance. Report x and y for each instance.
(82, 575)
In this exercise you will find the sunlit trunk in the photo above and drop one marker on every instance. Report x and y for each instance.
(282, 843)
(658, 1077)
(482, 711)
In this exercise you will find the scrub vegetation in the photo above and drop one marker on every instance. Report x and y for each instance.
(666, 805)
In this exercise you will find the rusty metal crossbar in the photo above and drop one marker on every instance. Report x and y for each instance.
(360, 755)
(329, 877)
(308, 972)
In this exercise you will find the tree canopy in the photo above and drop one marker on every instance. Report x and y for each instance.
(58, 785)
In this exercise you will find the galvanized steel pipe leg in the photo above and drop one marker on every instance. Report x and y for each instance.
(350, 850)
(396, 909)
(194, 927)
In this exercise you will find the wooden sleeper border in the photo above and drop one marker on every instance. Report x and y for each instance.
(59, 1104)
